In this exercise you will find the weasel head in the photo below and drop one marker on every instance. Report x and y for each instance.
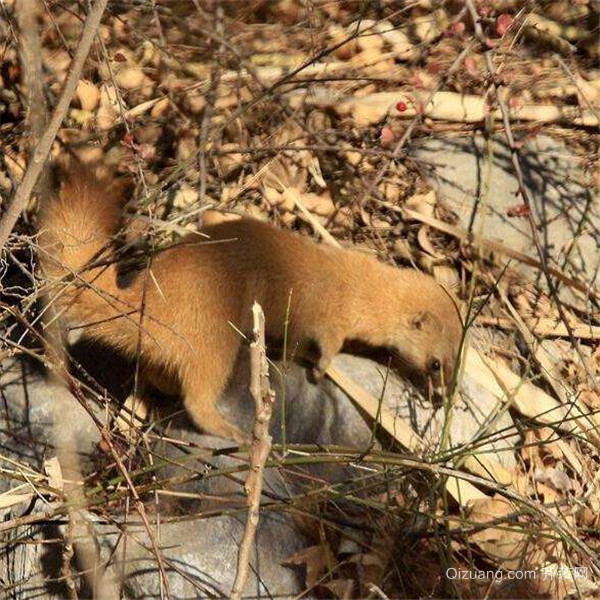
(428, 338)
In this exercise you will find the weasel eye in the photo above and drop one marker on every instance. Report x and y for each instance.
(435, 365)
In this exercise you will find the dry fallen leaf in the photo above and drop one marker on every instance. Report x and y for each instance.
(160, 108)
(588, 92)
(398, 40)
(133, 78)
(318, 561)
(88, 95)
(447, 276)
(320, 204)
(341, 588)
(185, 197)
(214, 217)
(228, 161)
(508, 543)
(556, 477)
(338, 34)
(7, 500)
(423, 203)
(106, 117)
(368, 38)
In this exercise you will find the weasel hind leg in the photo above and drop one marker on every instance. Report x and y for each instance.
(200, 400)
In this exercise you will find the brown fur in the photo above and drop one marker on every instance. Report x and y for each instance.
(198, 290)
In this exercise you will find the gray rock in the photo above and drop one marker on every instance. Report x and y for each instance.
(207, 555)
(30, 405)
(27, 560)
(323, 414)
(470, 416)
(201, 553)
(566, 211)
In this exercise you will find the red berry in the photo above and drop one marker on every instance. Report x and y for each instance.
(456, 30)
(401, 106)
(519, 210)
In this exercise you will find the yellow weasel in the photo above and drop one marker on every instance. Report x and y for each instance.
(197, 293)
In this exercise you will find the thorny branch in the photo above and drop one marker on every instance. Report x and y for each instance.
(569, 533)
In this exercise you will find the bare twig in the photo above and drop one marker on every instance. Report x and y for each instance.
(264, 398)
(577, 84)
(211, 96)
(31, 59)
(141, 510)
(308, 216)
(36, 164)
(543, 327)
(377, 592)
(549, 370)
(65, 442)
(67, 557)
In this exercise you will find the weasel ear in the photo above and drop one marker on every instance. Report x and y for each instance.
(420, 319)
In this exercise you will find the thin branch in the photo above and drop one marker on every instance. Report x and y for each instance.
(211, 96)
(40, 155)
(138, 504)
(67, 557)
(565, 67)
(31, 59)
(42, 137)
(264, 398)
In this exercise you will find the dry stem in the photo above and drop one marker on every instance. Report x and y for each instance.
(42, 137)
(264, 398)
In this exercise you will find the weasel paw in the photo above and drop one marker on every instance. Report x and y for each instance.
(316, 374)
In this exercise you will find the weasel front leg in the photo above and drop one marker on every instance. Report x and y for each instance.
(329, 348)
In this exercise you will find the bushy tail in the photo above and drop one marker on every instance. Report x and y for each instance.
(76, 229)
